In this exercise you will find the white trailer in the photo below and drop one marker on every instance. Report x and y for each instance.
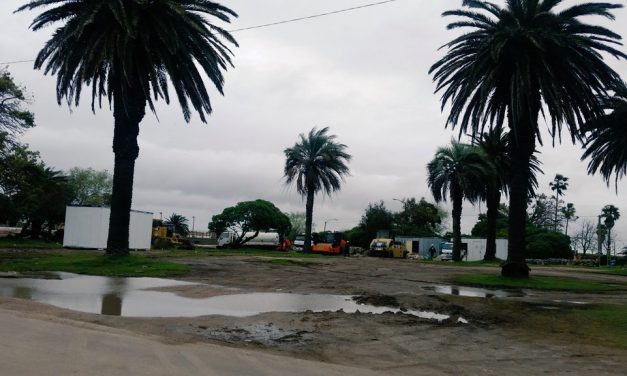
(263, 239)
(88, 227)
(477, 248)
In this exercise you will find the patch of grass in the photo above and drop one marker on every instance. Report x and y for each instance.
(534, 282)
(14, 243)
(604, 325)
(92, 264)
(615, 270)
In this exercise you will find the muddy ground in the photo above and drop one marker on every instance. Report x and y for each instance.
(517, 335)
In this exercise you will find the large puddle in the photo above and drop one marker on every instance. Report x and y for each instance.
(132, 297)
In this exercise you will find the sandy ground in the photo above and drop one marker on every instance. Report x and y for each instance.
(505, 336)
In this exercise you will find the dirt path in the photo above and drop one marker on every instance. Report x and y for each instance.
(504, 336)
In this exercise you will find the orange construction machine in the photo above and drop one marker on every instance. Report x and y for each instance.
(330, 243)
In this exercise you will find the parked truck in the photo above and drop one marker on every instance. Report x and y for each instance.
(386, 247)
(270, 239)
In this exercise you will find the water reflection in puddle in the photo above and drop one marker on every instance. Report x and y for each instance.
(474, 292)
(130, 297)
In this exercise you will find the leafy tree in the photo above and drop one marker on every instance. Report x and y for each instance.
(13, 117)
(128, 52)
(542, 244)
(606, 141)
(315, 163)
(542, 212)
(297, 220)
(585, 238)
(559, 185)
(376, 218)
(250, 217)
(568, 213)
(481, 228)
(90, 187)
(460, 170)
(179, 222)
(420, 218)
(517, 62)
(610, 215)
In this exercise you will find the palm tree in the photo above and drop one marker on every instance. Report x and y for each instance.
(610, 214)
(559, 185)
(494, 145)
(129, 51)
(569, 215)
(316, 163)
(179, 223)
(606, 143)
(459, 170)
(516, 63)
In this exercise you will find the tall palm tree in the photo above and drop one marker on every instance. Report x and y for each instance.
(180, 224)
(606, 142)
(458, 170)
(129, 51)
(559, 185)
(516, 63)
(316, 163)
(610, 215)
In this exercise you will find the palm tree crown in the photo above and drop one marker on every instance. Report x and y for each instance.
(606, 142)
(135, 47)
(316, 163)
(179, 222)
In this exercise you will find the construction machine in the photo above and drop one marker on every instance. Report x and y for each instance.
(330, 243)
(163, 237)
(385, 247)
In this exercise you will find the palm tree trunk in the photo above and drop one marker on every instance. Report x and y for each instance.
(128, 111)
(457, 197)
(521, 148)
(308, 219)
(492, 202)
(557, 197)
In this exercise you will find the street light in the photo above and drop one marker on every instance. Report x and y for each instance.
(325, 223)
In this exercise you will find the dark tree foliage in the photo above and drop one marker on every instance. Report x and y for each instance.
(606, 138)
(250, 217)
(543, 243)
(316, 163)
(481, 228)
(516, 63)
(420, 218)
(131, 53)
(179, 222)
(90, 187)
(14, 118)
(29, 191)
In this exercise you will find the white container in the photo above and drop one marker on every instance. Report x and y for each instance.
(88, 227)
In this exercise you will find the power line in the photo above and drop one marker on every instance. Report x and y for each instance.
(313, 16)
(270, 24)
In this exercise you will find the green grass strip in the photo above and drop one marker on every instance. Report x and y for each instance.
(94, 264)
(605, 325)
(534, 282)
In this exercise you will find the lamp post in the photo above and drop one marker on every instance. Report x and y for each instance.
(325, 223)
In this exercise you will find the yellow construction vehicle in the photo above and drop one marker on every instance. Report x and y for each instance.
(384, 247)
(163, 237)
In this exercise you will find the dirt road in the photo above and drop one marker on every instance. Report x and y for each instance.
(518, 335)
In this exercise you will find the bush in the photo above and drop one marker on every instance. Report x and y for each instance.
(544, 244)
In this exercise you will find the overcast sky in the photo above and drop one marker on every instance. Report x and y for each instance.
(361, 73)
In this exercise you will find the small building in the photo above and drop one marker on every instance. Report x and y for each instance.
(420, 246)
(88, 227)
(477, 247)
